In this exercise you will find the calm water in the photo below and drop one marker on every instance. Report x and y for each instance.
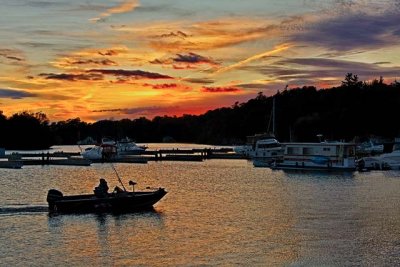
(217, 212)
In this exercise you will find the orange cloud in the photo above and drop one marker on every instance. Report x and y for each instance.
(126, 6)
(182, 36)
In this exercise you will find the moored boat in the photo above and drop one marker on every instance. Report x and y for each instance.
(323, 156)
(100, 152)
(127, 146)
(267, 149)
(109, 149)
(384, 161)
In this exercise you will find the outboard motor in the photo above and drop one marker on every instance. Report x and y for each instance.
(52, 196)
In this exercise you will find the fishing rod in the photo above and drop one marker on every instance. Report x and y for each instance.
(119, 178)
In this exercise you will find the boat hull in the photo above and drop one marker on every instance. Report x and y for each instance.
(298, 167)
(311, 168)
(114, 203)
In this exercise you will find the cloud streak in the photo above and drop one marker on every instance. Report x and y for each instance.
(72, 77)
(167, 86)
(187, 61)
(12, 55)
(275, 50)
(103, 62)
(220, 89)
(124, 7)
(140, 111)
(135, 74)
(98, 75)
(15, 94)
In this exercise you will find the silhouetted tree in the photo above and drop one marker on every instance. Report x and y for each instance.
(28, 131)
(351, 80)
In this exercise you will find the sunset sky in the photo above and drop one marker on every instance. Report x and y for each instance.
(113, 59)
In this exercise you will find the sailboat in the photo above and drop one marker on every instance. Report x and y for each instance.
(266, 148)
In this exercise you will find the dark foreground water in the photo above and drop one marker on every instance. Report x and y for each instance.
(217, 212)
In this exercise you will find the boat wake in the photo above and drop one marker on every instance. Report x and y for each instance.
(21, 209)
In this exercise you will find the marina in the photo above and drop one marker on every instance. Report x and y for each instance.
(267, 152)
(18, 159)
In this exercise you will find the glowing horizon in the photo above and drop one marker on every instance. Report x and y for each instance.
(131, 58)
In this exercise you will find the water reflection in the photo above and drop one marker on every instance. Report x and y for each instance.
(105, 238)
(151, 217)
(216, 213)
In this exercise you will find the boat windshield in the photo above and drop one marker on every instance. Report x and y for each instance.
(268, 145)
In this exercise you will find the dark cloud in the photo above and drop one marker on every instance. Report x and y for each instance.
(193, 58)
(186, 61)
(14, 58)
(351, 31)
(135, 74)
(170, 86)
(158, 61)
(220, 89)
(108, 53)
(15, 94)
(164, 86)
(104, 62)
(141, 111)
(382, 62)
(178, 34)
(10, 54)
(72, 77)
(199, 80)
(98, 74)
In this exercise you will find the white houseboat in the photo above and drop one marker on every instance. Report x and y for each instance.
(317, 156)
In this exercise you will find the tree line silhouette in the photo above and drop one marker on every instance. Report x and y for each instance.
(354, 108)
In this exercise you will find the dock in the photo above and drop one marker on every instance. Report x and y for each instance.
(17, 160)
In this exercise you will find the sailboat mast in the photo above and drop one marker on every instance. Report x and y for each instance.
(273, 115)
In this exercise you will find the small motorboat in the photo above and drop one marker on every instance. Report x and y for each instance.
(119, 201)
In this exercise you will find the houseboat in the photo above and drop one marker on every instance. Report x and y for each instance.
(325, 155)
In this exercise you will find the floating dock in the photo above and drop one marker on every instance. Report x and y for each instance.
(17, 160)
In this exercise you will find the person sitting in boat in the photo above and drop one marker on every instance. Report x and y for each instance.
(102, 189)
